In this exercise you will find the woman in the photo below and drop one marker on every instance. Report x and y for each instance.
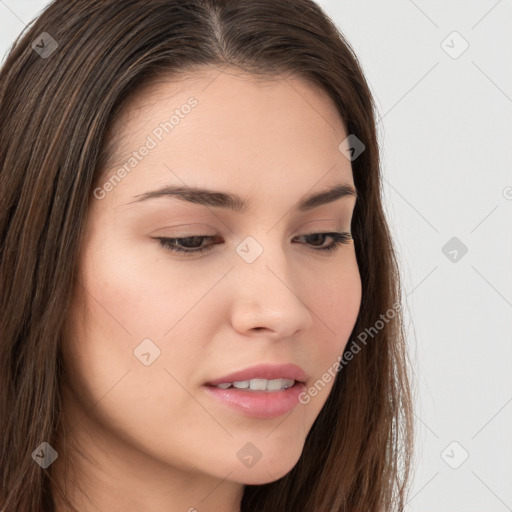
(200, 304)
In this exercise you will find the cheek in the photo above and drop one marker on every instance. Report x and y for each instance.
(336, 301)
(336, 308)
(132, 293)
(110, 384)
(346, 301)
(133, 303)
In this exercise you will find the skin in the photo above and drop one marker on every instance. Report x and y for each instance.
(153, 439)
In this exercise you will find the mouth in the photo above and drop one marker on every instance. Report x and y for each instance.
(255, 385)
(257, 397)
(262, 391)
(262, 377)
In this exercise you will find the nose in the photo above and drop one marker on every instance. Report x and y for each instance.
(268, 297)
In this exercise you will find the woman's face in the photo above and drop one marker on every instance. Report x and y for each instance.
(150, 328)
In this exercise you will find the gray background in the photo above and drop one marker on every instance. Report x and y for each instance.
(445, 132)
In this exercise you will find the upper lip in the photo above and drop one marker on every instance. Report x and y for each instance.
(264, 371)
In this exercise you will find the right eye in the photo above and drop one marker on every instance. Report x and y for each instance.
(192, 244)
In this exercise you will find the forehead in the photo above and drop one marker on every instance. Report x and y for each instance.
(229, 86)
(242, 131)
(229, 102)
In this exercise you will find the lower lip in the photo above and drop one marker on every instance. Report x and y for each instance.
(259, 404)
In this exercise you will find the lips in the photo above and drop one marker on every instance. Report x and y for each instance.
(263, 371)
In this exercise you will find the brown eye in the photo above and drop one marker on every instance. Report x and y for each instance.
(193, 244)
(338, 239)
(189, 244)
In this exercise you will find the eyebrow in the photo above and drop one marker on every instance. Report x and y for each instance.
(217, 199)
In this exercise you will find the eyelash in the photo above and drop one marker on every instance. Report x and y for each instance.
(168, 243)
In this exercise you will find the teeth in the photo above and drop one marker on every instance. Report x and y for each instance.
(274, 384)
(259, 384)
(242, 384)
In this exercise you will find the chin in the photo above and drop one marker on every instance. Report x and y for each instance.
(262, 473)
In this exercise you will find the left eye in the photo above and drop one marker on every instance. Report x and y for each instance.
(192, 244)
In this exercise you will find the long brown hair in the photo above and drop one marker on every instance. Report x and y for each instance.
(57, 101)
